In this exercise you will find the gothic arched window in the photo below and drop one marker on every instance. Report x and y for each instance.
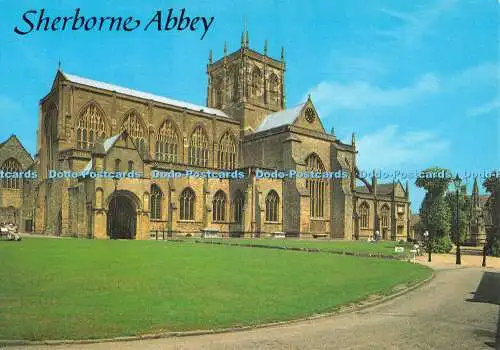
(272, 205)
(364, 215)
(238, 201)
(256, 81)
(133, 124)
(156, 197)
(219, 87)
(274, 89)
(219, 206)
(91, 127)
(317, 187)
(198, 147)
(167, 142)
(187, 199)
(384, 213)
(13, 166)
(227, 152)
(117, 165)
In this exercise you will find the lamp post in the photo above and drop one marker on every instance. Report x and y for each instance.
(457, 181)
(485, 248)
(429, 248)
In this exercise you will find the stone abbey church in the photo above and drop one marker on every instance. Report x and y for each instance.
(90, 125)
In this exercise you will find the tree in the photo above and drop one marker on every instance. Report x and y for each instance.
(492, 185)
(434, 211)
(434, 180)
(491, 182)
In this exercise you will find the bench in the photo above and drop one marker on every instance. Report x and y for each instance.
(209, 233)
(320, 235)
(10, 234)
(279, 235)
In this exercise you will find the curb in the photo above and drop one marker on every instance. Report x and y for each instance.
(361, 305)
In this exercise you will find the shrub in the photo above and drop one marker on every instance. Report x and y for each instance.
(442, 245)
(494, 246)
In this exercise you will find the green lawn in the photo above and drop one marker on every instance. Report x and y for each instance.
(383, 247)
(74, 289)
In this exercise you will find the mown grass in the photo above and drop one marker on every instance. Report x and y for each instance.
(382, 247)
(74, 289)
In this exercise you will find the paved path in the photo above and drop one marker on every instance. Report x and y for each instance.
(448, 260)
(459, 309)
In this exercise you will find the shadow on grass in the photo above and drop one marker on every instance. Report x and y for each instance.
(488, 291)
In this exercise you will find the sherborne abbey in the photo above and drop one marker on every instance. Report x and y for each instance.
(90, 125)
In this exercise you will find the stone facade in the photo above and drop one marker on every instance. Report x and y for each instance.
(86, 125)
(16, 160)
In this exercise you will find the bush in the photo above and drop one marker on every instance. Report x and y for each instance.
(442, 245)
(494, 246)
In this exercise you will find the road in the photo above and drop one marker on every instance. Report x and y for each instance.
(458, 309)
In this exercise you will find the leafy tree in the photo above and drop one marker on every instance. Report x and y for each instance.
(434, 212)
(491, 182)
(492, 185)
(434, 180)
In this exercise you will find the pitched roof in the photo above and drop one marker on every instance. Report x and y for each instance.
(144, 95)
(284, 117)
(107, 144)
(14, 137)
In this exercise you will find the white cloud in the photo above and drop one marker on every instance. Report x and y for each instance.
(389, 148)
(481, 74)
(486, 108)
(360, 94)
(352, 67)
(417, 23)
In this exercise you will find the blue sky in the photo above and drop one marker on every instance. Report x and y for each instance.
(418, 81)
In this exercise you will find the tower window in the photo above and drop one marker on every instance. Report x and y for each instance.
(274, 89)
(256, 82)
(218, 93)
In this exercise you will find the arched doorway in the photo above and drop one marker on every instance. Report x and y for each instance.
(121, 217)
